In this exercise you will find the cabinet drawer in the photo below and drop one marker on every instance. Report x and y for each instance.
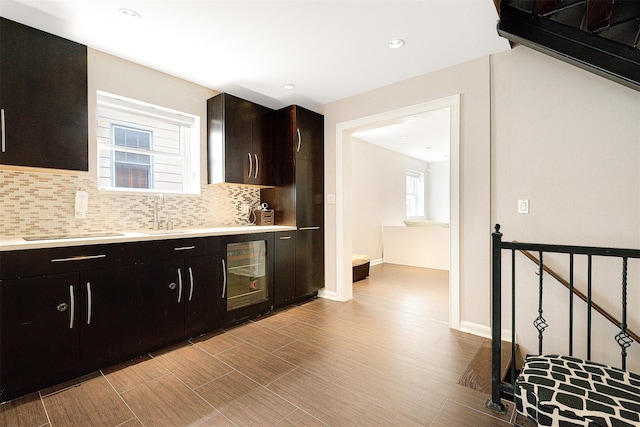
(160, 250)
(38, 262)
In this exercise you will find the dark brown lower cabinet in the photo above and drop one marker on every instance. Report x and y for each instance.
(285, 268)
(39, 332)
(111, 317)
(309, 261)
(57, 326)
(181, 289)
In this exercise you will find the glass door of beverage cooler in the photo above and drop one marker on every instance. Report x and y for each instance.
(246, 274)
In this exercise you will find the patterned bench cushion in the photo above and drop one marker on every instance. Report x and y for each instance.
(565, 391)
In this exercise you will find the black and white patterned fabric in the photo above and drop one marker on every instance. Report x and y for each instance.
(566, 392)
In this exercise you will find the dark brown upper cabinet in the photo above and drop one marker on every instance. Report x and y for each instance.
(43, 99)
(239, 142)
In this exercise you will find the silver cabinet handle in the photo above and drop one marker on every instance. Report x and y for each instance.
(224, 278)
(179, 285)
(2, 131)
(190, 281)
(72, 314)
(89, 303)
(257, 166)
(299, 140)
(184, 248)
(285, 238)
(78, 258)
(315, 227)
(250, 165)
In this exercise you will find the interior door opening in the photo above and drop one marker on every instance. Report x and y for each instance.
(344, 180)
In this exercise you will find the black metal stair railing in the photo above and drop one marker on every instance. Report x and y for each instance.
(624, 337)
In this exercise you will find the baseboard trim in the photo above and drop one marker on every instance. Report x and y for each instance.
(482, 330)
(330, 295)
(376, 261)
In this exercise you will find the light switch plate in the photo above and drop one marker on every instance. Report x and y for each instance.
(523, 206)
(331, 199)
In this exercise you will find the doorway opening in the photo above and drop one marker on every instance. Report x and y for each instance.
(344, 179)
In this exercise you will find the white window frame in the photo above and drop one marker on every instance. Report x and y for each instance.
(189, 153)
(414, 199)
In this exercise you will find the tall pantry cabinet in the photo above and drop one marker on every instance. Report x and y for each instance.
(298, 198)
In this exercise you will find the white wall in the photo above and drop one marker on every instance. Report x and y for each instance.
(438, 192)
(532, 127)
(471, 81)
(378, 196)
(569, 141)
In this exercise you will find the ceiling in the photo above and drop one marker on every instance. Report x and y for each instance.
(425, 136)
(329, 50)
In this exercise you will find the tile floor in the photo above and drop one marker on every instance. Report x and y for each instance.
(386, 358)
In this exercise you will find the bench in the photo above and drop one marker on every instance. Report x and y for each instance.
(565, 391)
(360, 265)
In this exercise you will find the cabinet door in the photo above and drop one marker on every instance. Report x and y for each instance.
(40, 335)
(111, 315)
(309, 194)
(284, 289)
(263, 147)
(43, 87)
(308, 135)
(309, 261)
(204, 310)
(238, 140)
(163, 302)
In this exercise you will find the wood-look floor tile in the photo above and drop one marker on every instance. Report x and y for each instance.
(260, 366)
(312, 335)
(166, 401)
(456, 415)
(413, 398)
(134, 422)
(333, 405)
(261, 337)
(300, 418)
(133, 373)
(192, 365)
(245, 402)
(217, 342)
(277, 319)
(67, 384)
(26, 411)
(312, 317)
(375, 416)
(91, 403)
(317, 360)
(477, 400)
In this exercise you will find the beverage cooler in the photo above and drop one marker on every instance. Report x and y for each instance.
(248, 275)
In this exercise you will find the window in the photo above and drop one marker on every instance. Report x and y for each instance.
(415, 194)
(143, 147)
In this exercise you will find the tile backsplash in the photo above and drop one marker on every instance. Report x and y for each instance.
(33, 204)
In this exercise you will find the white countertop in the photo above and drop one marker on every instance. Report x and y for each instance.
(12, 243)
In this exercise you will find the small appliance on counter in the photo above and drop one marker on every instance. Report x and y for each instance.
(263, 215)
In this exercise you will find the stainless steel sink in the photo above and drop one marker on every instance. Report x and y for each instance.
(152, 232)
(70, 236)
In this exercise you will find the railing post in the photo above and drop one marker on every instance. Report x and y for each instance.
(494, 402)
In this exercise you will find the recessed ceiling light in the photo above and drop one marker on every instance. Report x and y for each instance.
(403, 137)
(396, 43)
(129, 14)
(289, 86)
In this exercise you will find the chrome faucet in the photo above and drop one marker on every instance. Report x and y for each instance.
(157, 202)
